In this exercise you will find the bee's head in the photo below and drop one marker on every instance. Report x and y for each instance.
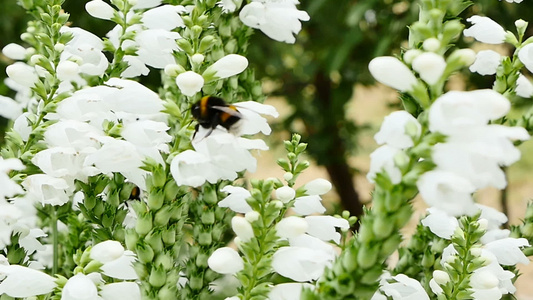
(196, 110)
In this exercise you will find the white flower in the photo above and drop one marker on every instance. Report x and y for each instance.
(242, 228)
(440, 223)
(324, 227)
(107, 251)
(431, 44)
(524, 87)
(403, 288)
(307, 205)
(63, 162)
(291, 227)
(14, 51)
(526, 56)
(22, 74)
(485, 30)
(163, 17)
(430, 66)
(229, 65)
(121, 267)
(236, 200)
(189, 83)
(22, 282)
(220, 156)
(118, 156)
(279, 20)
(285, 193)
(447, 192)
(79, 287)
(491, 281)
(251, 120)
(318, 186)
(86, 48)
(393, 130)
(9, 187)
(46, 189)
(486, 63)
(392, 72)
(300, 263)
(225, 261)
(74, 134)
(121, 290)
(288, 291)
(10, 108)
(156, 47)
(456, 112)
(229, 6)
(99, 9)
(382, 160)
(507, 251)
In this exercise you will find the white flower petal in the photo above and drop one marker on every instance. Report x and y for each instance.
(486, 63)
(430, 66)
(225, 261)
(392, 72)
(485, 30)
(189, 83)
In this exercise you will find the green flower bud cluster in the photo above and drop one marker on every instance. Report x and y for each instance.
(258, 251)
(210, 231)
(421, 256)
(459, 267)
(292, 165)
(158, 234)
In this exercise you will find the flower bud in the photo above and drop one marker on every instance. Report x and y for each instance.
(99, 9)
(288, 176)
(173, 70)
(14, 51)
(430, 66)
(229, 65)
(67, 70)
(431, 45)
(317, 186)
(285, 194)
(392, 72)
(144, 223)
(157, 277)
(225, 261)
(197, 58)
(242, 228)
(441, 277)
(22, 74)
(107, 251)
(189, 83)
(252, 216)
(410, 55)
(291, 227)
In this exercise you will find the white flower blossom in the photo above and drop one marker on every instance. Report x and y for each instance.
(485, 30)
(447, 192)
(120, 290)
(79, 287)
(486, 63)
(324, 227)
(99, 9)
(285, 193)
(507, 251)
(22, 74)
(190, 83)
(526, 56)
(236, 200)
(242, 228)
(279, 20)
(382, 159)
(288, 291)
(227, 66)
(392, 72)
(403, 288)
(22, 282)
(430, 66)
(14, 51)
(47, 189)
(225, 260)
(440, 223)
(86, 48)
(300, 263)
(306, 205)
(524, 87)
(393, 130)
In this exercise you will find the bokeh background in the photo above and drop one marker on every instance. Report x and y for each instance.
(324, 91)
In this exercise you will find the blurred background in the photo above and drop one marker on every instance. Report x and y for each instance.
(323, 89)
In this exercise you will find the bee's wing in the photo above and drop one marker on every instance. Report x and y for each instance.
(228, 110)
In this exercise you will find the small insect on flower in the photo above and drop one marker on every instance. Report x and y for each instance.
(212, 111)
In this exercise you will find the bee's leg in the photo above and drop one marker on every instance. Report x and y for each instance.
(195, 130)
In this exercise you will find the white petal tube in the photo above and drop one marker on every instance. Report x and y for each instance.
(392, 72)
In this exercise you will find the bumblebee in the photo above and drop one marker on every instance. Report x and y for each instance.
(212, 111)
